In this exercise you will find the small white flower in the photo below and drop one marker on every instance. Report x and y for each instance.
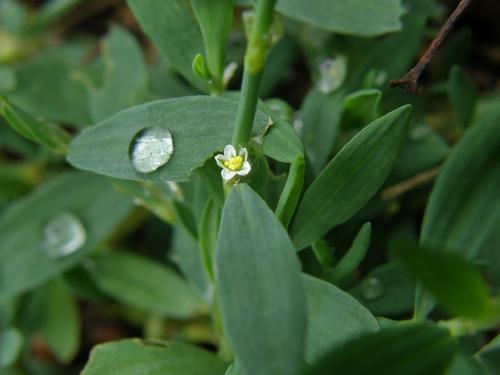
(233, 164)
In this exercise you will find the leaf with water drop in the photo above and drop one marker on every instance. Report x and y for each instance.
(198, 126)
(86, 202)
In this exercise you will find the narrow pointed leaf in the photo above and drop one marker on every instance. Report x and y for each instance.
(354, 255)
(259, 286)
(215, 18)
(351, 178)
(45, 133)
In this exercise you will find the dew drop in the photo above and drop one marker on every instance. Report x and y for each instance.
(63, 235)
(151, 148)
(332, 73)
(372, 288)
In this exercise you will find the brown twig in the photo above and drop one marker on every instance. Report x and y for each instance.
(410, 81)
(411, 183)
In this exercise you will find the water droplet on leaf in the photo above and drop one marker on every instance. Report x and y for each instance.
(151, 148)
(63, 235)
(372, 288)
(332, 73)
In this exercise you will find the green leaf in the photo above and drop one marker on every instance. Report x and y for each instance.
(290, 195)
(134, 357)
(125, 75)
(8, 79)
(424, 150)
(346, 16)
(456, 283)
(464, 365)
(259, 286)
(409, 350)
(59, 321)
(361, 108)
(215, 18)
(321, 119)
(50, 85)
(174, 32)
(11, 342)
(188, 119)
(186, 255)
(463, 212)
(489, 356)
(45, 133)
(386, 290)
(145, 285)
(354, 255)
(13, 15)
(209, 228)
(463, 96)
(281, 141)
(351, 178)
(334, 318)
(88, 198)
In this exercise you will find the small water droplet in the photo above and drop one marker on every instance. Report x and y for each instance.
(151, 148)
(63, 235)
(332, 73)
(298, 122)
(380, 78)
(372, 288)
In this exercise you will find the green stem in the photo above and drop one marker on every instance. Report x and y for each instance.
(255, 57)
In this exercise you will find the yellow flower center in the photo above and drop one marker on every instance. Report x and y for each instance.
(234, 164)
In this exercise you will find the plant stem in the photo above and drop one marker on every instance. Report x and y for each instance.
(410, 81)
(255, 57)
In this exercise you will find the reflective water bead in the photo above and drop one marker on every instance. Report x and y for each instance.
(151, 148)
(372, 288)
(63, 235)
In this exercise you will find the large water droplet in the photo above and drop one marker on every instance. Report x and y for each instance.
(151, 148)
(372, 288)
(332, 73)
(63, 235)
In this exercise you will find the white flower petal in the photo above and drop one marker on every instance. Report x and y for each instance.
(245, 169)
(220, 159)
(244, 153)
(229, 152)
(227, 174)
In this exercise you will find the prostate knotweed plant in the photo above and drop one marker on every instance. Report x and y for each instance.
(240, 189)
(232, 163)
